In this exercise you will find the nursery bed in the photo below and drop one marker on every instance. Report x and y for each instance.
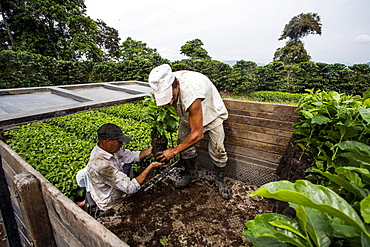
(160, 214)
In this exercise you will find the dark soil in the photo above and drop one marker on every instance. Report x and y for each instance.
(293, 166)
(194, 216)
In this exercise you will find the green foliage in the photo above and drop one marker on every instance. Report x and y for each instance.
(59, 147)
(216, 71)
(272, 96)
(302, 25)
(56, 154)
(162, 119)
(22, 69)
(164, 241)
(194, 50)
(242, 77)
(328, 119)
(321, 215)
(136, 110)
(299, 26)
(85, 125)
(108, 41)
(59, 29)
(335, 130)
(292, 53)
(131, 49)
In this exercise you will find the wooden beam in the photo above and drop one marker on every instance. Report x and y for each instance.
(33, 209)
(282, 109)
(255, 136)
(261, 122)
(254, 128)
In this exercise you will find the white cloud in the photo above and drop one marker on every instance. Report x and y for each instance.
(239, 29)
(363, 38)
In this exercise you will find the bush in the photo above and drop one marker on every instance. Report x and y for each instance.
(280, 97)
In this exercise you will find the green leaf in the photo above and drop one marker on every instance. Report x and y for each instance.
(261, 227)
(320, 119)
(341, 229)
(362, 171)
(304, 193)
(307, 114)
(355, 146)
(285, 225)
(365, 209)
(316, 224)
(263, 241)
(348, 185)
(365, 113)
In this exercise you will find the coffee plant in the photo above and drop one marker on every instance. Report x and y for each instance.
(335, 131)
(59, 147)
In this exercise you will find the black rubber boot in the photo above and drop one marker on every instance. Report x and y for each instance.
(190, 176)
(219, 180)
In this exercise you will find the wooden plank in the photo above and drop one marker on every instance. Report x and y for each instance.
(267, 123)
(33, 209)
(256, 145)
(62, 236)
(267, 115)
(261, 137)
(9, 173)
(250, 153)
(75, 224)
(246, 127)
(271, 157)
(81, 225)
(260, 107)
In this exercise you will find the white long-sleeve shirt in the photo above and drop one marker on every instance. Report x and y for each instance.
(108, 182)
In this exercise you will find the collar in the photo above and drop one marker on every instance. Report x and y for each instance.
(103, 153)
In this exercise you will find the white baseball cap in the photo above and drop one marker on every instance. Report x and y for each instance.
(160, 80)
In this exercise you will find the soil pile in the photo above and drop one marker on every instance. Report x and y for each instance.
(161, 215)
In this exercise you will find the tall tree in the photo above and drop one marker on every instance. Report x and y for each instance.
(292, 53)
(194, 50)
(108, 40)
(59, 29)
(129, 49)
(299, 26)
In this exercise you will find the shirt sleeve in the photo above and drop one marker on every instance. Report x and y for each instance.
(128, 156)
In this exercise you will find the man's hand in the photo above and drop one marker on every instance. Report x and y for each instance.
(145, 152)
(156, 164)
(166, 155)
(141, 178)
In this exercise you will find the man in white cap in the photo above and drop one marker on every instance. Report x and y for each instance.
(105, 169)
(202, 111)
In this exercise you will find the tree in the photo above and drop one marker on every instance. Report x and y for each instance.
(108, 40)
(298, 27)
(301, 26)
(292, 53)
(59, 29)
(242, 77)
(6, 43)
(194, 50)
(129, 49)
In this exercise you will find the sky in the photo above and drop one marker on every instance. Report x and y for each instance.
(240, 29)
